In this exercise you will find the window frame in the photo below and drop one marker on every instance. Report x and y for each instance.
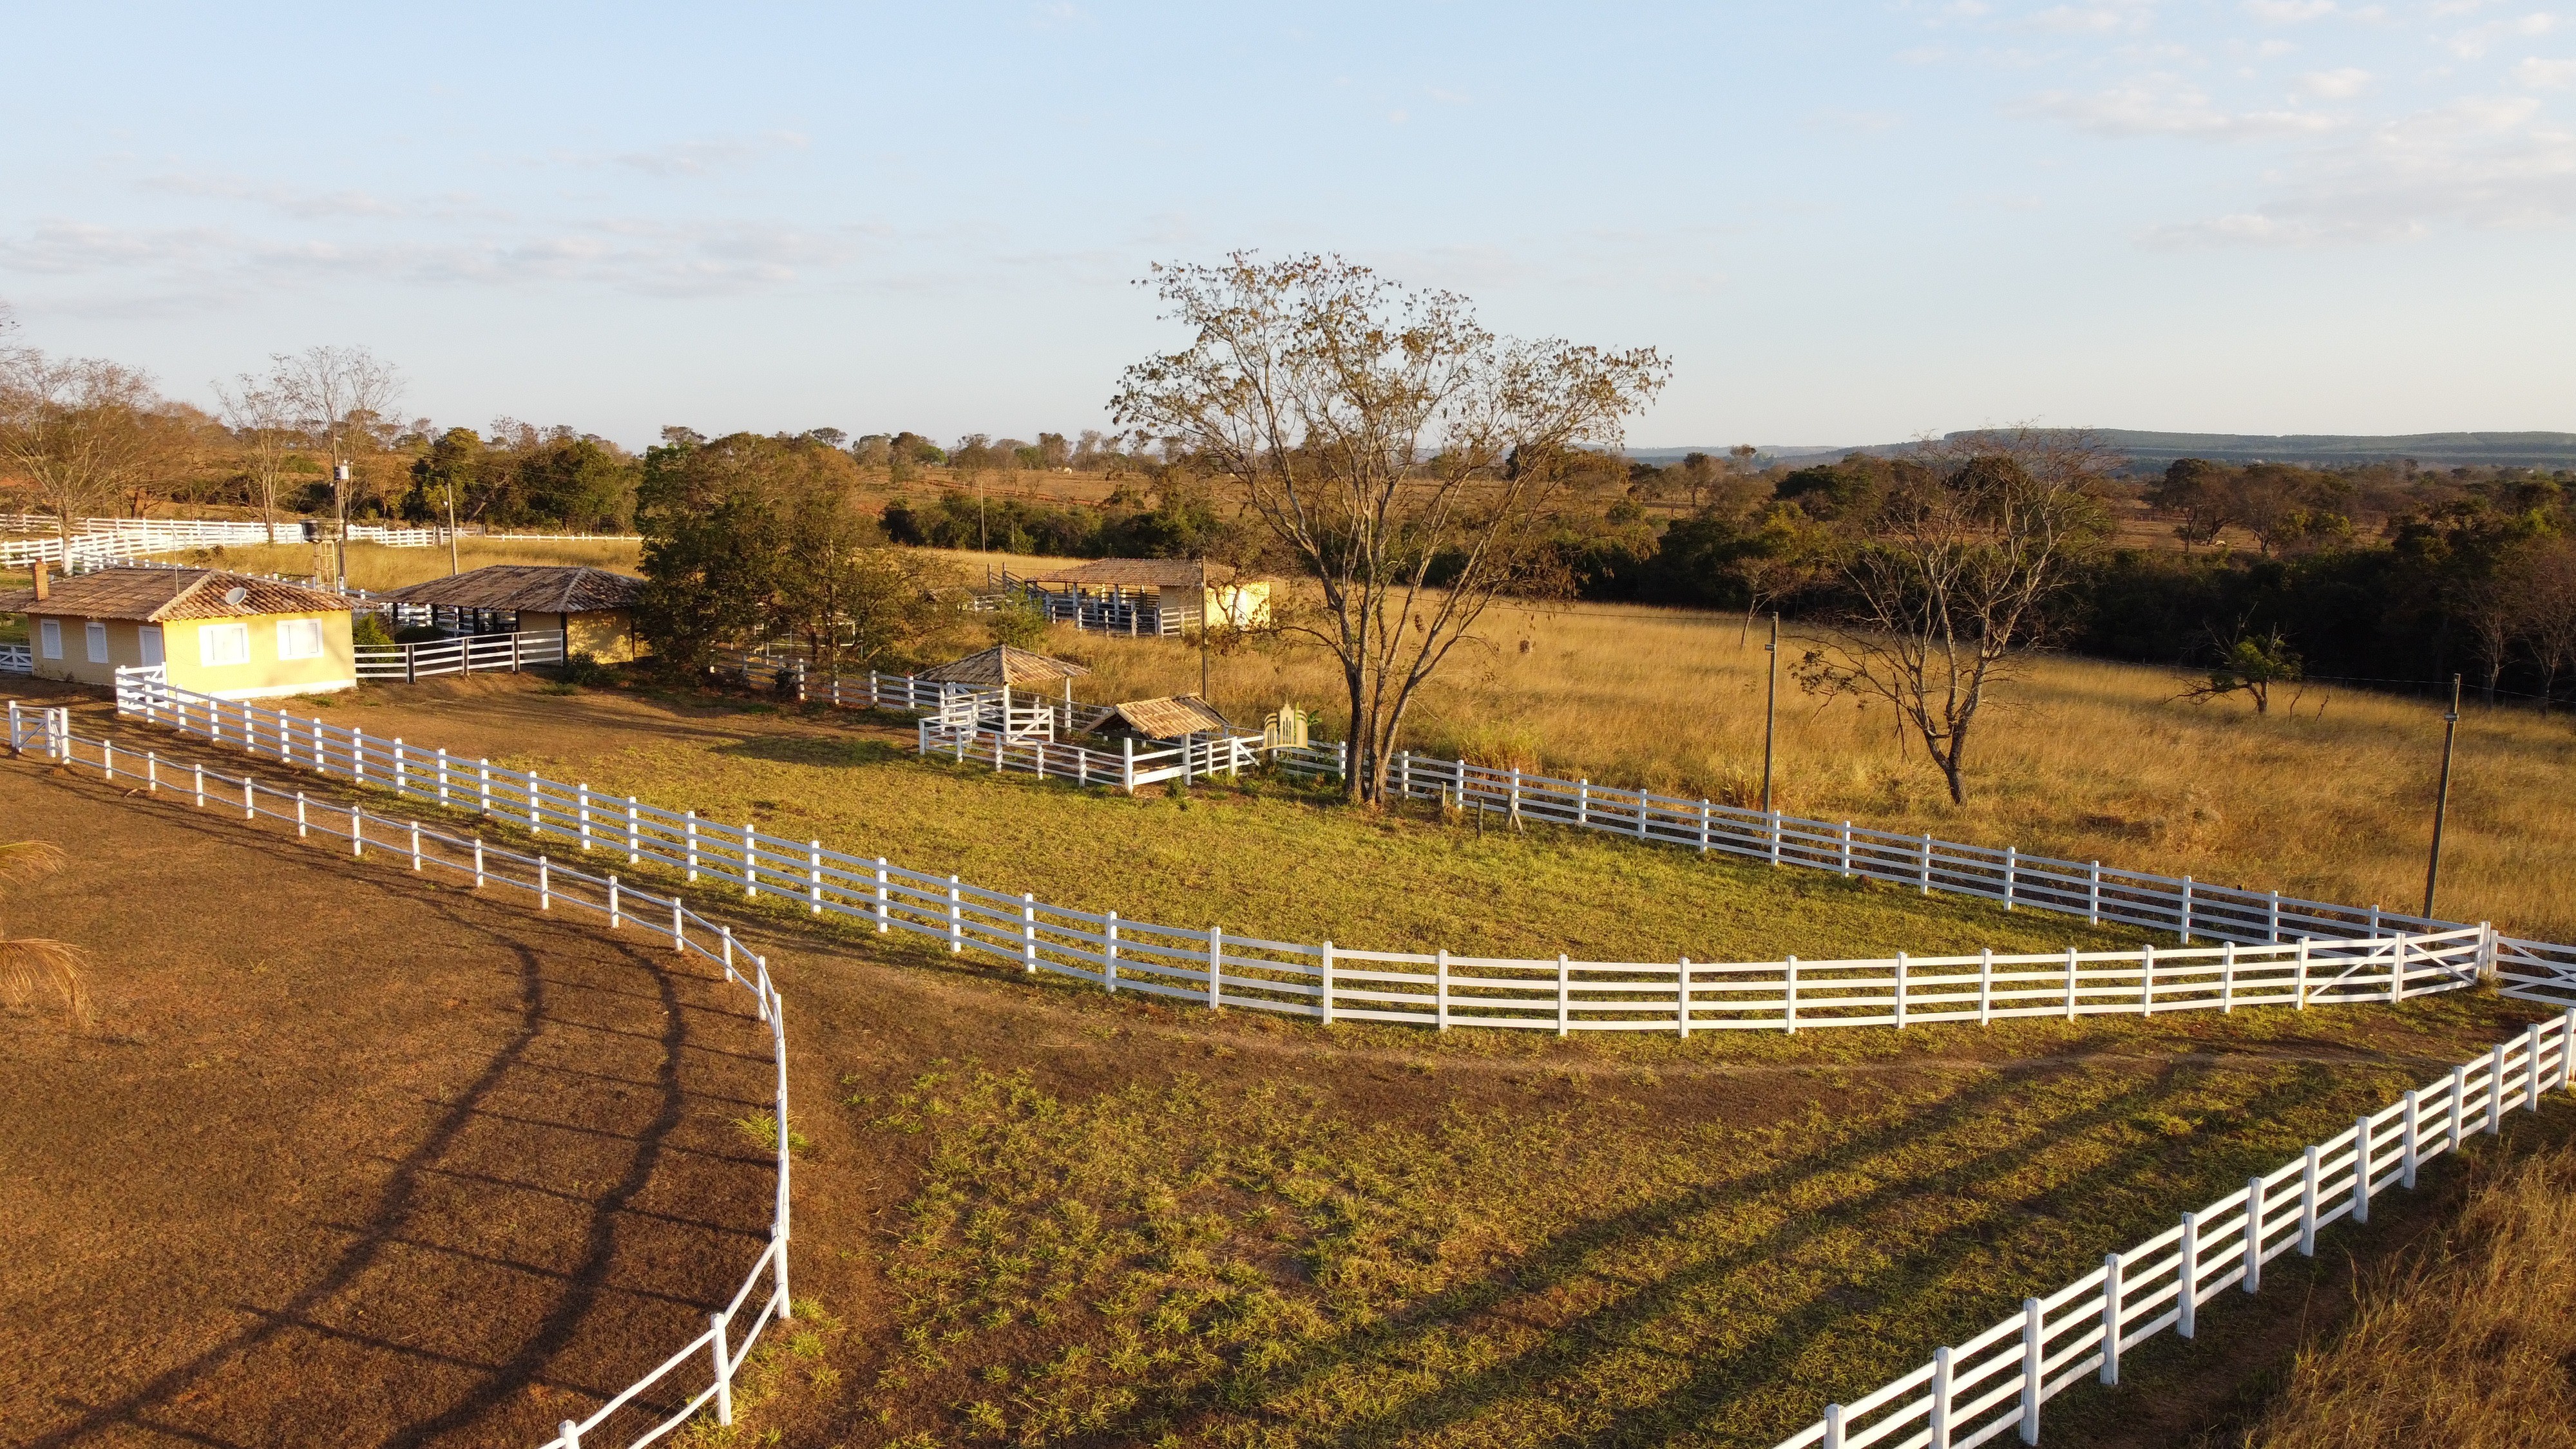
(49, 638)
(210, 631)
(303, 629)
(95, 645)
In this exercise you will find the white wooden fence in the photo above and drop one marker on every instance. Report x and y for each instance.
(1335, 983)
(465, 654)
(1993, 1384)
(17, 659)
(207, 532)
(2191, 909)
(1194, 758)
(715, 1355)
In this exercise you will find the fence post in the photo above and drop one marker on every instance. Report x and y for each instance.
(2187, 1274)
(2254, 1234)
(750, 859)
(483, 784)
(1682, 999)
(2227, 978)
(2034, 1366)
(2532, 1087)
(300, 831)
(689, 829)
(1985, 985)
(357, 751)
(885, 899)
(478, 859)
(1926, 869)
(2111, 1286)
(2459, 1106)
(2495, 1090)
(1775, 836)
(1582, 803)
(2184, 928)
(2147, 979)
(2272, 923)
(199, 772)
(2071, 974)
(2361, 1171)
(2397, 972)
(1703, 826)
(2302, 977)
(415, 845)
(1846, 850)
(151, 768)
(2567, 1048)
(634, 836)
(1029, 932)
(250, 797)
(724, 1370)
(2012, 873)
(581, 798)
(570, 1434)
(1127, 762)
(1833, 1427)
(1564, 996)
(1109, 956)
(442, 774)
(402, 778)
(1789, 997)
(1941, 1391)
(2093, 895)
(1216, 968)
(2411, 1147)
(1328, 982)
(2308, 1201)
(545, 888)
(1440, 991)
(814, 876)
(956, 919)
(1900, 990)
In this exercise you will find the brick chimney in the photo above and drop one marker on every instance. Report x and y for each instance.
(44, 581)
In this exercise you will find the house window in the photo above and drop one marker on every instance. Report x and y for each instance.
(219, 644)
(95, 636)
(299, 638)
(50, 633)
(149, 636)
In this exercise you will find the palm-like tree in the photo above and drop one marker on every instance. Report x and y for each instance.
(30, 966)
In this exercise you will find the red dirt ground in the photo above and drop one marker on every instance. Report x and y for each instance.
(348, 1157)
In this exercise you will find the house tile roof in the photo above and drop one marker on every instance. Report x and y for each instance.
(155, 595)
(532, 588)
(1168, 719)
(1002, 665)
(1136, 573)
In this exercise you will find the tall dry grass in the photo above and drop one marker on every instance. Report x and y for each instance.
(2470, 1344)
(2075, 758)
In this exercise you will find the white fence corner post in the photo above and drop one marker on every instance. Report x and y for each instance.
(1216, 968)
(2034, 1366)
(2362, 1152)
(723, 1352)
(1941, 1397)
(2254, 1213)
(2111, 1316)
(2308, 1161)
(2410, 1146)
(2187, 1278)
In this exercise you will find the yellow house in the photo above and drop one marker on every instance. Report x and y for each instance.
(589, 610)
(214, 632)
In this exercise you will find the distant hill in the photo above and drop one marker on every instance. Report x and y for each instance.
(2432, 450)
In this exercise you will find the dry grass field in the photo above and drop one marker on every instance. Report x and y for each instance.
(1039, 1215)
(2076, 758)
(376, 567)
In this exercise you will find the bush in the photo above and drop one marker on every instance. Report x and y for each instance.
(369, 628)
(584, 668)
(416, 633)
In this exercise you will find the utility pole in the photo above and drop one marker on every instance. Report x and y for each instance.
(340, 548)
(451, 528)
(1203, 630)
(2442, 800)
(1770, 712)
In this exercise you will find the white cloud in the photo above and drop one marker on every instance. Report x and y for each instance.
(2092, 19)
(2289, 12)
(304, 205)
(704, 158)
(2341, 84)
(2474, 42)
(2543, 75)
(2175, 109)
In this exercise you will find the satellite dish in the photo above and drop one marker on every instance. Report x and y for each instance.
(235, 595)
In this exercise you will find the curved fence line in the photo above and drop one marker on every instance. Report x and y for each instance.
(1332, 983)
(719, 1350)
(1993, 1384)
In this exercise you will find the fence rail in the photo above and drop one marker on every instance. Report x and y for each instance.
(1333, 983)
(466, 654)
(2191, 909)
(762, 1298)
(1993, 1384)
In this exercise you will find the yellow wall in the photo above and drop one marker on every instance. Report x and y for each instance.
(1247, 604)
(263, 674)
(608, 635)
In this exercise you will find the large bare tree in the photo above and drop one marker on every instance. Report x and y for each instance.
(83, 430)
(1404, 457)
(342, 398)
(1944, 582)
(262, 415)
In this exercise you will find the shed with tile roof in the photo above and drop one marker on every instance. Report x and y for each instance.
(591, 610)
(1150, 596)
(1003, 666)
(226, 634)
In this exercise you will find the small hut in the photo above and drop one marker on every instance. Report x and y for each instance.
(591, 610)
(1003, 667)
(1151, 596)
(1176, 717)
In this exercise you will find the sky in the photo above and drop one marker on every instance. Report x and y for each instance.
(1842, 222)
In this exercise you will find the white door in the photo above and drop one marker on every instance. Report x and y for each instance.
(150, 634)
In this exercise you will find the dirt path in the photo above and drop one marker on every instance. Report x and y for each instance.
(349, 1157)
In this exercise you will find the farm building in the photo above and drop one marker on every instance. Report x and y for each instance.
(1149, 596)
(590, 610)
(1003, 667)
(1177, 717)
(217, 633)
